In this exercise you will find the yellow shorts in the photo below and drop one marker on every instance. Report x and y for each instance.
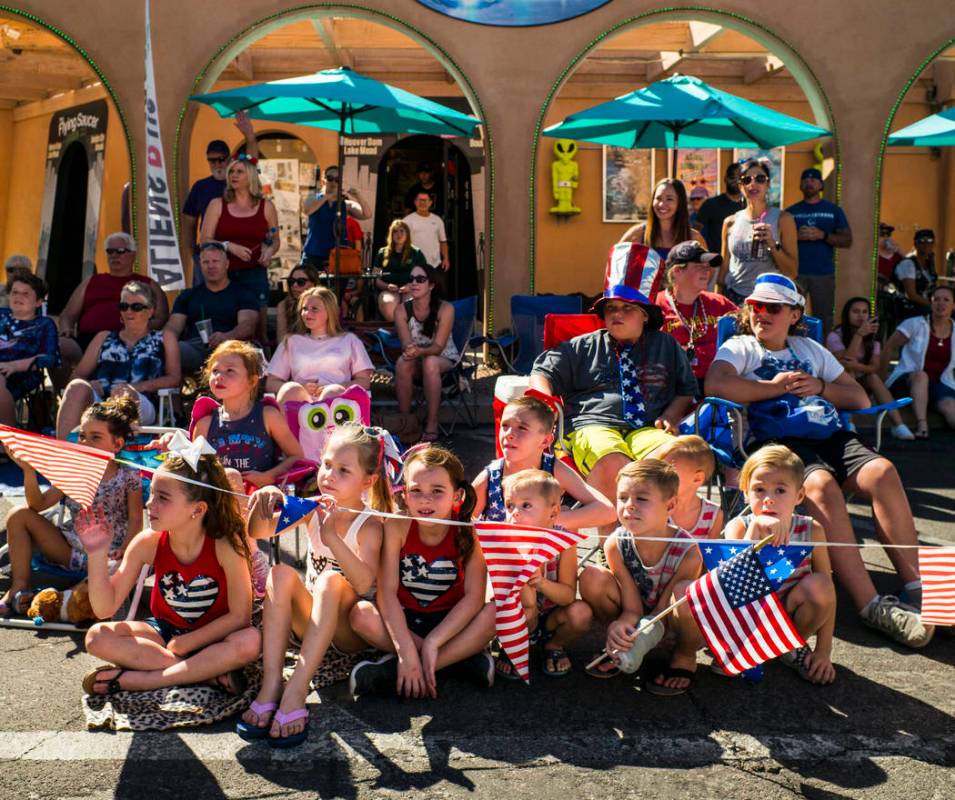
(591, 443)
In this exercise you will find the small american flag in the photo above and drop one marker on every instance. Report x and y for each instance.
(74, 469)
(937, 568)
(738, 612)
(513, 554)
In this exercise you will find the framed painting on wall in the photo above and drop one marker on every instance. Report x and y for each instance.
(698, 169)
(627, 184)
(777, 156)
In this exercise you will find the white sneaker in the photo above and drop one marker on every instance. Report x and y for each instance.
(903, 433)
(898, 621)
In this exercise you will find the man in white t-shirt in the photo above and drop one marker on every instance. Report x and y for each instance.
(769, 364)
(427, 232)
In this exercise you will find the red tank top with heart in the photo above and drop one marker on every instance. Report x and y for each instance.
(188, 595)
(431, 578)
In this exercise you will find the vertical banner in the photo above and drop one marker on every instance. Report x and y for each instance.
(165, 264)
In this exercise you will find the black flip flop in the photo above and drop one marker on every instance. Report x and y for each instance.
(112, 685)
(651, 685)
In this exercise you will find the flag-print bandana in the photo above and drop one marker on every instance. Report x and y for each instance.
(634, 410)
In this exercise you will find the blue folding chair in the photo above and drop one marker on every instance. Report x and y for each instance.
(527, 327)
(456, 383)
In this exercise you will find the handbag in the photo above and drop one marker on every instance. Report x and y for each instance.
(792, 416)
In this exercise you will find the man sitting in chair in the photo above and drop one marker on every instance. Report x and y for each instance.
(625, 387)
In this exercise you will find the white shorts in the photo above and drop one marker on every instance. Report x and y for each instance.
(147, 411)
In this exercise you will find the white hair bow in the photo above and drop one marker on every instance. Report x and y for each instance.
(190, 451)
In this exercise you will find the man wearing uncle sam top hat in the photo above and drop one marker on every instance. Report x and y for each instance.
(625, 387)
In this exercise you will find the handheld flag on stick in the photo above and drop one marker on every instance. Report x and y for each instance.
(736, 607)
(74, 469)
(937, 569)
(513, 554)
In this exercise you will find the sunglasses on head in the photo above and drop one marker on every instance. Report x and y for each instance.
(117, 251)
(418, 279)
(768, 308)
(746, 180)
(217, 159)
(298, 281)
(133, 307)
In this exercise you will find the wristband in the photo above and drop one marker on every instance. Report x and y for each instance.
(225, 246)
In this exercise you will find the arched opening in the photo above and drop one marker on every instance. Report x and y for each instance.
(64, 155)
(726, 50)
(452, 192)
(64, 263)
(386, 49)
(916, 186)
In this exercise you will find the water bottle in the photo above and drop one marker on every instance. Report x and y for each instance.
(648, 637)
(757, 248)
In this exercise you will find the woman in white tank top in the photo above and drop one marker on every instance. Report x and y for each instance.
(776, 229)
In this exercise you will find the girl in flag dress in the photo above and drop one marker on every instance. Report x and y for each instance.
(200, 623)
(772, 480)
(106, 425)
(342, 561)
(430, 612)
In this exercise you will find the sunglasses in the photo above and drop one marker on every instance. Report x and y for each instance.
(746, 180)
(216, 159)
(298, 281)
(117, 251)
(418, 279)
(133, 307)
(768, 308)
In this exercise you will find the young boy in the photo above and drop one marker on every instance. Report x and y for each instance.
(554, 616)
(646, 576)
(772, 479)
(693, 461)
(526, 434)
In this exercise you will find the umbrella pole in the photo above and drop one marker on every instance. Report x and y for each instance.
(343, 210)
(676, 152)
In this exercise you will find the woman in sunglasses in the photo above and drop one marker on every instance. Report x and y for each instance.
(757, 239)
(794, 389)
(133, 361)
(396, 259)
(424, 326)
(302, 277)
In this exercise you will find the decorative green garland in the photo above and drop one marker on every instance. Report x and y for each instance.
(643, 18)
(106, 84)
(877, 206)
(395, 21)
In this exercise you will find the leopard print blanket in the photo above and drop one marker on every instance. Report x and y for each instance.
(188, 706)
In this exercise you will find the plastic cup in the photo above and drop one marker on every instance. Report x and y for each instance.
(204, 327)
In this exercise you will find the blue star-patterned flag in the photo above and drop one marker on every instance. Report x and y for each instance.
(294, 510)
(778, 564)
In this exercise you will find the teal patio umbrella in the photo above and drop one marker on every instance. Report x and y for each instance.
(683, 111)
(345, 101)
(937, 130)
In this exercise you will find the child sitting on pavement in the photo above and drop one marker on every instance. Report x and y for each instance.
(693, 460)
(646, 576)
(526, 434)
(555, 617)
(772, 479)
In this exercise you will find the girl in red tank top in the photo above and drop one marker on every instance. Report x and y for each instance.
(202, 597)
(430, 606)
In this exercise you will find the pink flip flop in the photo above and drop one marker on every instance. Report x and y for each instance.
(250, 732)
(284, 719)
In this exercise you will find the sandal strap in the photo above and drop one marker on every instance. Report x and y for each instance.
(262, 708)
(284, 719)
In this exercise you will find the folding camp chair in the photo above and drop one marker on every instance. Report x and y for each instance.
(527, 327)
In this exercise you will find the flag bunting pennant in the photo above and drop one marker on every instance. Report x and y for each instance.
(294, 511)
(74, 469)
(513, 554)
(937, 570)
(736, 607)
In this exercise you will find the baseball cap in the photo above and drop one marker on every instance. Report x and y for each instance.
(218, 146)
(630, 295)
(425, 166)
(771, 287)
(924, 235)
(691, 250)
(811, 172)
(885, 229)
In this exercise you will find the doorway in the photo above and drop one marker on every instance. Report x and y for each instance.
(64, 265)
(398, 173)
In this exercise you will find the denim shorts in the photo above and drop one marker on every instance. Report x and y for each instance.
(421, 623)
(165, 629)
(255, 278)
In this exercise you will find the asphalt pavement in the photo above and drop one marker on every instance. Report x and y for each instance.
(885, 729)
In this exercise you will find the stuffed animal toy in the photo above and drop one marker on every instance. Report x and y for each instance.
(311, 423)
(73, 605)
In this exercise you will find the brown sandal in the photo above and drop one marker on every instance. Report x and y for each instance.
(112, 685)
